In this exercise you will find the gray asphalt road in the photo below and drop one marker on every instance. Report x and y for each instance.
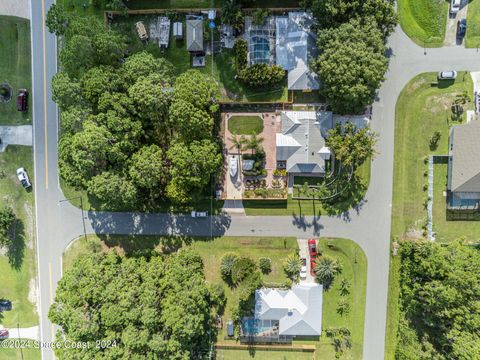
(369, 224)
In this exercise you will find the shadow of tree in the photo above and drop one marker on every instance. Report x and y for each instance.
(16, 246)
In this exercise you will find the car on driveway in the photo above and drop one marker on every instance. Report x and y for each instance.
(312, 266)
(199, 214)
(23, 177)
(4, 334)
(303, 269)
(447, 75)
(312, 248)
(455, 6)
(5, 305)
(461, 28)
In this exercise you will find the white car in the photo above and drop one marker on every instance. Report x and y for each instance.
(199, 214)
(455, 6)
(303, 269)
(447, 75)
(23, 178)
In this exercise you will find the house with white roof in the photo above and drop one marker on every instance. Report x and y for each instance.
(294, 46)
(300, 146)
(298, 310)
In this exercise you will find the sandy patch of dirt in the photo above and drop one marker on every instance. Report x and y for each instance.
(33, 292)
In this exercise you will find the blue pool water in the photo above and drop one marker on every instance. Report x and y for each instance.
(253, 326)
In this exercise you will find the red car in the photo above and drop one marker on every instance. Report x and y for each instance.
(312, 248)
(4, 334)
(312, 266)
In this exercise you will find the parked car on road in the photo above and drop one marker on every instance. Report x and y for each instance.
(22, 100)
(5, 305)
(312, 248)
(199, 214)
(447, 75)
(23, 177)
(303, 269)
(4, 334)
(455, 6)
(461, 28)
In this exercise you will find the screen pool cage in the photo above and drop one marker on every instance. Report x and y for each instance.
(261, 41)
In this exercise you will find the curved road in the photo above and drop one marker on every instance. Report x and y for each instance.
(58, 223)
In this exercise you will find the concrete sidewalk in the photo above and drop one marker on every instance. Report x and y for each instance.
(20, 8)
(31, 333)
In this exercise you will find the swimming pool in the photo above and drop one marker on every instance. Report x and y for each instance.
(252, 326)
(259, 49)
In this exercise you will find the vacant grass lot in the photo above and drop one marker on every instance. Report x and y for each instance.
(354, 270)
(245, 125)
(17, 354)
(15, 67)
(422, 109)
(424, 21)
(223, 354)
(472, 38)
(308, 207)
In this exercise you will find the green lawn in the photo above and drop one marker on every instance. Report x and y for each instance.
(309, 207)
(424, 21)
(17, 263)
(472, 38)
(422, 108)
(245, 125)
(224, 354)
(17, 354)
(15, 67)
(354, 264)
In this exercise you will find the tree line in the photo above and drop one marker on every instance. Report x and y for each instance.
(130, 131)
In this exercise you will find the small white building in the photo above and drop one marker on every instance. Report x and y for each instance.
(178, 30)
(298, 311)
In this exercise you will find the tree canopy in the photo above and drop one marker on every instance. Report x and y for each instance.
(439, 301)
(352, 65)
(350, 145)
(156, 308)
(131, 132)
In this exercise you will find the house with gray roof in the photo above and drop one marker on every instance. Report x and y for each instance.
(295, 44)
(195, 35)
(300, 146)
(298, 310)
(463, 182)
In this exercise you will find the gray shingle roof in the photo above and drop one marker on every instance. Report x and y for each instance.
(465, 152)
(194, 35)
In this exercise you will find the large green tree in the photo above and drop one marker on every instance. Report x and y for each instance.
(352, 65)
(109, 46)
(198, 89)
(112, 191)
(98, 81)
(350, 145)
(439, 301)
(156, 308)
(77, 56)
(142, 64)
(147, 168)
(191, 168)
(332, 13)
(190, 122)
(7, 218)
(66, 92)
(57, 20)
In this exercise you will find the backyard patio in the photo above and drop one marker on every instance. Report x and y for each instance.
(252, 136)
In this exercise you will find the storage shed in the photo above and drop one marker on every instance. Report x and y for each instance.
(178, 30)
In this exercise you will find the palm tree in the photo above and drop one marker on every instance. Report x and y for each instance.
(344, 287)
(292, 266)
(254, 143)
(238, 142)
(326, 269)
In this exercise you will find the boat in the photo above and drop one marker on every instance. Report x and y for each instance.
(233, 166)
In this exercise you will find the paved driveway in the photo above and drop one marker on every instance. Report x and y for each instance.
(451, 31)
(20, 8)
(15, 135)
